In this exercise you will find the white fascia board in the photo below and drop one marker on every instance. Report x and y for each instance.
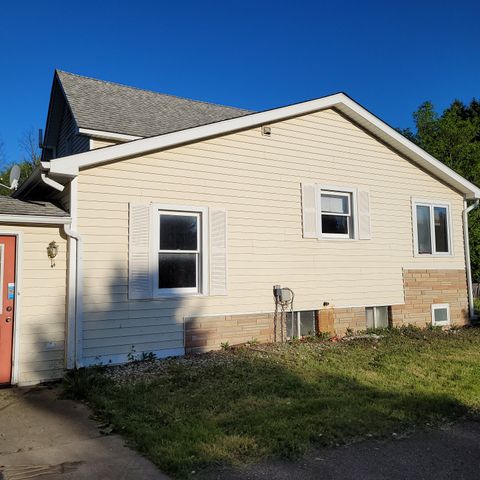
(71, 165)
(107, 135)
(34, 219)
(390, 136)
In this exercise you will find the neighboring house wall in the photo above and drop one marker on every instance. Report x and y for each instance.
(40, 322)
(257, 179)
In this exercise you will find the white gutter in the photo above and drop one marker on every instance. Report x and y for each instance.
(51, 183)
(35, 219)
(466, 241)
(74, 324)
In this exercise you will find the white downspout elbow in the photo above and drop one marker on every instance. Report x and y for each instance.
(51, 183)
(466, 242)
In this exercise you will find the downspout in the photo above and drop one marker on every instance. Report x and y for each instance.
(73, 345)
(76, 295)
(466, 241)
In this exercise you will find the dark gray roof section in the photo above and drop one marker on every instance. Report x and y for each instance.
(116, 108)
(15, 206)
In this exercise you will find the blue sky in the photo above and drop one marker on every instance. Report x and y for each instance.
(389, 56)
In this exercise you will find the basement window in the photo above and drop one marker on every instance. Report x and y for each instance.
(301, 324)
(377, 317)
(440, 314)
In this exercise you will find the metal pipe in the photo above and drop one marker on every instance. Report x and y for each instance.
(466, 241)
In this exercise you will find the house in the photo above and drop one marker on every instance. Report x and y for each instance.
(173, 219)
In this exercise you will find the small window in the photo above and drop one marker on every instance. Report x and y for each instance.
(377, 317)
(440, 314)
(432, 229)
(179, 252)
(301, 324)
(336, 214)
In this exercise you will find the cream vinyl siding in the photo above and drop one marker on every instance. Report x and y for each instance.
(257, 180)
(41, 320)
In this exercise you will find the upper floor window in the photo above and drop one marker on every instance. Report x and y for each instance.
(336, 212)
(432, 229)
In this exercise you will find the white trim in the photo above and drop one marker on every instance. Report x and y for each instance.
(71, 165)
(432, 204)
(203, 263)
(2, 269)
(70, 340)
(102, 134)
(466, 241)
(17, 304)
(51, 183)
(353, 215)
(37, 219)
(439, 306)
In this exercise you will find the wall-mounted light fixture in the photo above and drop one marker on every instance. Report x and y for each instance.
(52, 252)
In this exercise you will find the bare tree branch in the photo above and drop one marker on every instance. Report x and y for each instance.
(30, 149)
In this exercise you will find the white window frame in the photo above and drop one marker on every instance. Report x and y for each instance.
(202, 249)
(2, 263)
(374, 309)
(440, 306)
(351, 194)
(431, 205)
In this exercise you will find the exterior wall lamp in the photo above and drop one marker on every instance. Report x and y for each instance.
(52, 252)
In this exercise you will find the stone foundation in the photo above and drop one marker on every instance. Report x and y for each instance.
(422, 288)
(203, 334)
(426, 287)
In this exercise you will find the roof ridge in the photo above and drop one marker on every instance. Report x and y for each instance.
(151, 91)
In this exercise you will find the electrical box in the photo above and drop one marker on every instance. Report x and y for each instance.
(282, 295)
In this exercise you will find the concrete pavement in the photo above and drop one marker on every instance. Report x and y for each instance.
(448, 453)
(52, 439)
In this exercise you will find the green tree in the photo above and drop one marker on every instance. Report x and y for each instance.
(29, 158)
(454, 138)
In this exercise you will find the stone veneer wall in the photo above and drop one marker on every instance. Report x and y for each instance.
(422, 288)
(203, 334)
(426, 287)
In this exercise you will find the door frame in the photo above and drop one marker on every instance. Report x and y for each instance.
(16, 306)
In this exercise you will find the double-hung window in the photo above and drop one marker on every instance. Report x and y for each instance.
(432, 229)
(179, 252)
(336, 214)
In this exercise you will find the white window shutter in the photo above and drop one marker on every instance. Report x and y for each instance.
(139, 272)
(364, 226)
(309, 210)
(218, 252)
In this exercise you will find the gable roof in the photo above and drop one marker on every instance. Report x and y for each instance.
(69, 166)
(111, 107)
(16, 207)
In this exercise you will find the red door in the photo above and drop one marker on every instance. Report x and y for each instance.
(7, 289)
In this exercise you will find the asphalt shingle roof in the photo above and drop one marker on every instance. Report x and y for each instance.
(111, 107)
(15, 206)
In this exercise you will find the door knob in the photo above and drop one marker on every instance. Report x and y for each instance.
(9, 308)
(8, 319)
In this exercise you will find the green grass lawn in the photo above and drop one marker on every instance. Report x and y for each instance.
(248, 404)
